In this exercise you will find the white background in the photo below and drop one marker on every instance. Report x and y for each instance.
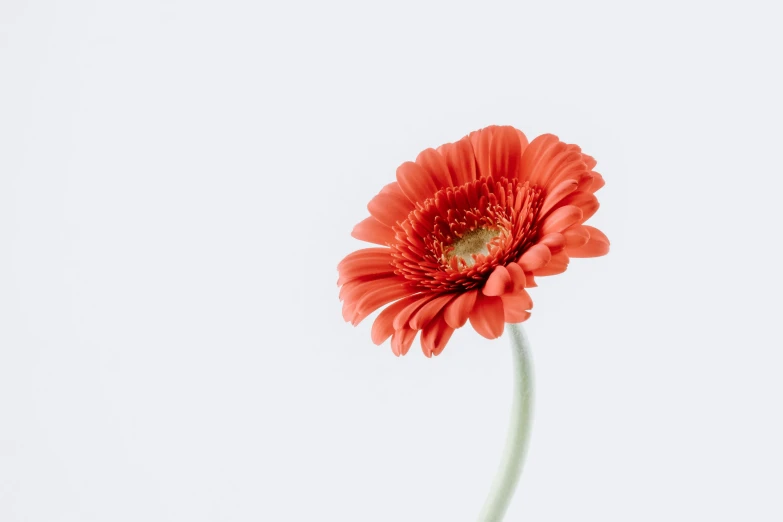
(178, 181)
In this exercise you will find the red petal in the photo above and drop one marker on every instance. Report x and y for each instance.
(365, 254)
(377, 298)
(487, 316)
(557, 265)
(585, 182)
(354, 289)
(547, 162)
(561, 219)
(365, 267)
(598, 182)
(481, 140)
(516, 306)
(586, 202)
(390, 205)
(522, 140)
(373, 231)
(415, 182)
(592, 248)
(435, 336)
(565, 163)
(555, 241)
(516, 316)
(590, 162)
(597, 245)
(435, 165)
(402, 341)
(505, 153)
(499, 282)
(520, 300)
(456, 312)
(535, 257)
(576, 237)
(426, 313)
(518, 278)
(539, 149)
(383, 326)
(401, 320)
(554, 197)
(460, 160)
(354, 292)
(596, 234)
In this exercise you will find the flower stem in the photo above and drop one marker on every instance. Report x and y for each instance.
(518, 431)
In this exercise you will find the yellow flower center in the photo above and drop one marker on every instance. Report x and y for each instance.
(472, 243)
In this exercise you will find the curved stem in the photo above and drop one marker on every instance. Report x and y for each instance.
(518, 431)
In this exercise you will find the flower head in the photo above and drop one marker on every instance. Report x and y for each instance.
(464, 231)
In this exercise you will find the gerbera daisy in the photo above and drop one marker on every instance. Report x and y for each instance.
(464, 231)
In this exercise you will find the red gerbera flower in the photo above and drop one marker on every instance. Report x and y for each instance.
(464, 231)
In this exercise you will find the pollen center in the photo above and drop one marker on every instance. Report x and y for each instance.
(473, 242)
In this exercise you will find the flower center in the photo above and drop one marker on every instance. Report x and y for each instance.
(472, 243)
(455, 239)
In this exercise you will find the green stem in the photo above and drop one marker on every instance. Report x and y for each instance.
(518, 431)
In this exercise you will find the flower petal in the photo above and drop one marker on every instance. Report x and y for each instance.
(596, 234)
(353, 292)
(556, 265)
(535, 257)
(597, 245)
(555, 241)
(520, 300)
(516, 307)
(435, 165)
(585, 201)
(481, 140)
(383, 325)
(499, 282)
(487, 316)
(523, 141)
(590, 162)
(518, 278)
(598, 182)
(379, 297)
(373, 231)
(541, 148)
(435, 335)
(363, 263)
(514, 315)
(561, 219)
(460, 161)
(585, 182)
(547, 162)
(356, 288)
(365, 254)
(402, 340)
(390, 205)
(371, 266)
(576, 236)
(424, 315)
(402, 318)
(415, 182)
(505, 153)
(567, 164)
(554, 197)
(457, 311)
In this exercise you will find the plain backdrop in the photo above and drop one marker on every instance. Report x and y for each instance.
(178, 180)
